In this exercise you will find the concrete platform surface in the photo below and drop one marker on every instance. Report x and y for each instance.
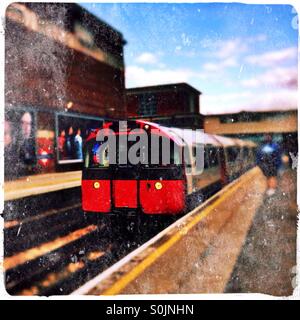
(267, 261)
(41, 183)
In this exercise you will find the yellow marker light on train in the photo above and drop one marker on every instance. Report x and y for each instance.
(158, 185)
(96, 185)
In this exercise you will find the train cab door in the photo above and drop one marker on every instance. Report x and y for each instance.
(125, 176)
(125, 187)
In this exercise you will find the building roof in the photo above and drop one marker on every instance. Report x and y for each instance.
(67, 13)
(73, 26)
(90, 20)
(163, 87)
(251, 113)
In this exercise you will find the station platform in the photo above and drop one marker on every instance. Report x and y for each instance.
(41, 183)
(238, 241)
(267, 261)
(255, 252)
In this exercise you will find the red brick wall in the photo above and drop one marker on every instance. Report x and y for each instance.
(42, 72)
(168, 103)
(132, 104)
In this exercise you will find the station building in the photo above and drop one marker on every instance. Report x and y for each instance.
(64, 73)
(282, 125)
(171, 104)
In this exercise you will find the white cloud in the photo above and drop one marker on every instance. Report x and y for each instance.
(219, 65)
(138, 76)
(223, 103)
(258, 38)
(224, 49)
(147, 58)
(210, 66)
(229, 62)
(225, 53)
(229, 51)
(230, 48)
(273, 58)
(276, 77)
(282, 99)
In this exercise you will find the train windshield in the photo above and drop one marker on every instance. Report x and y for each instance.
(163, 152)
(91, 155)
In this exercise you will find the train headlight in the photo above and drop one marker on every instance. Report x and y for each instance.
(96, 185)
(158, 185)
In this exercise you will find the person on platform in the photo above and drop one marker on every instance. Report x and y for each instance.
(269, 161)
(26, 142)
(61, 144)
(69, 143)
(78, 145)
(10, 154)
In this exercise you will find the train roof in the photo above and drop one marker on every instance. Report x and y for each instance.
(185, 136)
(250, 144)
(225, 142)
(229, 142)
(192, 137)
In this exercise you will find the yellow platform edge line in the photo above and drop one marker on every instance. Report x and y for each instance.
(118, 286)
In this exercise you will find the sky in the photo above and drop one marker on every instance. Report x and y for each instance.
(240, 56)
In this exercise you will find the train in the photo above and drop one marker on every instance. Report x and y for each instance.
(161, 187)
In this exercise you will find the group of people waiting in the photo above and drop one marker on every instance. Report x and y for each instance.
(70, 144)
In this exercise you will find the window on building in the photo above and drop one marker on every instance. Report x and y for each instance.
(147, 105)
(250, 117)
(192, 104)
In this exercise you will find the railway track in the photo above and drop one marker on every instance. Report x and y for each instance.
(56, 251)
(22, 234)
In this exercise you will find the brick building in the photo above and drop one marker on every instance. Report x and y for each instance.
(62, 66)
(172, 104)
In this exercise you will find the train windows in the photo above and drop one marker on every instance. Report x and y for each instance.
(206, 158)
(198, 158)
(252, 152)
(194, 152)
(163, 157)
(169, 153)
(213, 157)
(246, 153)
(147, 105)
(177, 158)
(93, 158)
(86, 159)
(175, 154)
(232, 153)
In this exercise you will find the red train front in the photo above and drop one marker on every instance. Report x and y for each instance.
(152, 188)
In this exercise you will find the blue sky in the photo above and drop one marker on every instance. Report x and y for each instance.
(242, 57)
